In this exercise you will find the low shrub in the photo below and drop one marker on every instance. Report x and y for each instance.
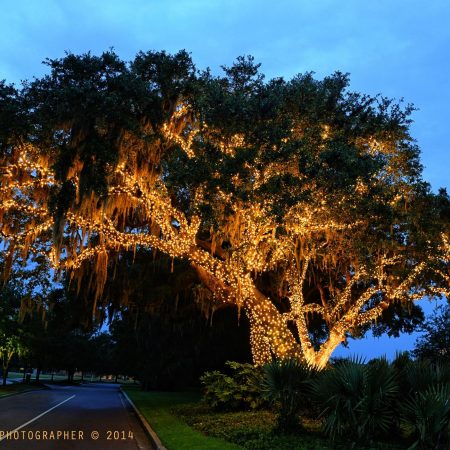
(287, 384)
(406, 402)
(241, 389)
(357, 399)
(425, 417)
(253, 430)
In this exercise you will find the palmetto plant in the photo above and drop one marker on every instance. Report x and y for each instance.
(426, 416)
(287, 383)
(422, 374)
(357, 400)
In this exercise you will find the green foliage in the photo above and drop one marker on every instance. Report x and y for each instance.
(401, 360)
(435, 343)
(425, 407)
(304, 142)
(286, 383)
(87, 103)
(11, 332)
(369, 401)
(359, 403)
(426, 417)
(239, 390)
(376, 405)
(399, 318)
(9, 346)
(13, 120)
(166, 314)
(421, 374)
(254, 430)
(357, 399)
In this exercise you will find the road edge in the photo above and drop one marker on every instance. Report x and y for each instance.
(157, 444)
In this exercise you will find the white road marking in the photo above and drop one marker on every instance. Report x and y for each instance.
(37, 417)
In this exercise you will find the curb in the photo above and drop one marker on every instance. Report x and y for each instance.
(157, 444)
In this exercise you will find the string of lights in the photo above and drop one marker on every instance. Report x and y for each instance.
(247, 240)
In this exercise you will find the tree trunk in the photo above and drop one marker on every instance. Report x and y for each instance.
(70, 374)
(269, 334)
(5, 375)
(38, 374)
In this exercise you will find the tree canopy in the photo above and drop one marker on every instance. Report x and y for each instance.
(434, 343)
(300, 201)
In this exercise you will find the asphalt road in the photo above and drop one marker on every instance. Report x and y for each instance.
(91, 416)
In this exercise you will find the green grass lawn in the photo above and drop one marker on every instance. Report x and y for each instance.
(14, 375)
(175, 434)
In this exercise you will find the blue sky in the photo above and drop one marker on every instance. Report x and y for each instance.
(399, 48)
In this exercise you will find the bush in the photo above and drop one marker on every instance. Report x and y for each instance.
(426, 417)
(287, 386)
(422, 374)
(242, 389)
(425, 414)
(357, 400)
(252, 430)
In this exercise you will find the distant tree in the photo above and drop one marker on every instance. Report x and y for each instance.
(10, 345)
(37, 340)
(24, 293)
(434, 344)
(66, 344)
(171, 349)
(102, 349)
(11, 331)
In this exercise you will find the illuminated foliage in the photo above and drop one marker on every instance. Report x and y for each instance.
(298, 201)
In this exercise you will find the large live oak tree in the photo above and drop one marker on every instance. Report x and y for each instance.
(299, 201)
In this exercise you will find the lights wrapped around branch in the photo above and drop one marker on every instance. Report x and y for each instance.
(310, 240)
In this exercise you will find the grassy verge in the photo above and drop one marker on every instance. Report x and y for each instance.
(175, 434)
(15, 375)
(183, 423)
(15, 389)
